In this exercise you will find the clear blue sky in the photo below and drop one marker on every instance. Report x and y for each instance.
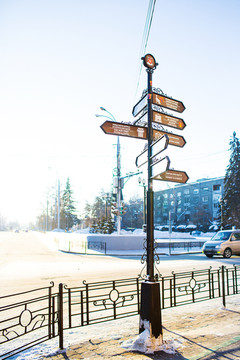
(63, 59)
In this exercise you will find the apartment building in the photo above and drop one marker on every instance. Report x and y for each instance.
(195, 203)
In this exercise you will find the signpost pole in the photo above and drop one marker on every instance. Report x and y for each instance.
(150, 220)
(150, 311)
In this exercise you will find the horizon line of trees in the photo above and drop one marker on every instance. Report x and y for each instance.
(99, 218)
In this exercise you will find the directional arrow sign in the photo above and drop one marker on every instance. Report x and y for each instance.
(139, 106)
(168, 103)
(160, 166)
(174, 139)
(114, 128)
(139, 132)
(168, 120)
(157, 147)
(173, 176)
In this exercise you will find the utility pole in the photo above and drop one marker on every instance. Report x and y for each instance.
(58, 204)
(119, 187)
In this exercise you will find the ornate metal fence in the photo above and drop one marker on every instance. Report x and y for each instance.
(101, 301)
(31, 319)
(194, 286)
(28, 320)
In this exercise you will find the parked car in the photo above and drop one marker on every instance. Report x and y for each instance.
(225, 243)
(181, 228)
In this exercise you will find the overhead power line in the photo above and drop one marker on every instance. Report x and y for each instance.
(145, 37)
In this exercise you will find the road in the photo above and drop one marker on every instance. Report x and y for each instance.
(28, 261)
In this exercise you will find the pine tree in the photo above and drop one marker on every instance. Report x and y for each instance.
(68, 209)
(231, 199)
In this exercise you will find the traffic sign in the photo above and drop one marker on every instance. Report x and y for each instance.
(175, 140)
(158, 146)
(173, 176)
(121, 129)
(140, 106)
(168, 103)
(168, 120)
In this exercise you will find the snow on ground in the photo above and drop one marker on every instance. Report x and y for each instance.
(158, 234)
(199, 320)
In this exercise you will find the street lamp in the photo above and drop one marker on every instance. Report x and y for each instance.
(142, 183)
(103, 109)
(119, 180)
(110, 117)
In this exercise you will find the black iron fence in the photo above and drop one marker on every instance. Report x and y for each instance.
(180, 245)
(29, 318)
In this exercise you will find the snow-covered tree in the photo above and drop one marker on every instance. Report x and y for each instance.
(68, 209)
(231, 199)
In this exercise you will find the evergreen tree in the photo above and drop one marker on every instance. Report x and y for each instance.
(68, 209)
(134, 214)
(231, 199)
(98, 215)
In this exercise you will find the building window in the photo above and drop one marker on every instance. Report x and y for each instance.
(179, 194)
(205, 189)
(186, 191)
(187, 200)
(196, 191)
(165, 196)
(216, 187)
(205, 198)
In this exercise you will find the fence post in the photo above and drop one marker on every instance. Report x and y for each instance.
(236, 278)
(223, 287)
(60, 315)
(138, 295)
(49, 312)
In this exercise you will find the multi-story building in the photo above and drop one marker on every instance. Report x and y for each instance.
(195, 203)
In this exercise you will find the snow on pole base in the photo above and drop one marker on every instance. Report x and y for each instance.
(150, 310)
(147, 344)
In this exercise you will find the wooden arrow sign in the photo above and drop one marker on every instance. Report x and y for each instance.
(175, 140)
(121, 129)
(173, 176)
(168, 103)
(168, 120)
(139, 132)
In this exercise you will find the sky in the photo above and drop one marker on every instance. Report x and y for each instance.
(61, 60)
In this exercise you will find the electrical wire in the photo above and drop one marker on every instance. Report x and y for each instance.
(145, 38)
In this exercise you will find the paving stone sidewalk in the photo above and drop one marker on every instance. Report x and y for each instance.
(198, 331)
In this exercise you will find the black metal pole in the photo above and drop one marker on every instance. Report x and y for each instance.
(60, 316)
(150, 220)
(150, 311)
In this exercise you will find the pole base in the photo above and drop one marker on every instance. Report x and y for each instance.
(150, 311)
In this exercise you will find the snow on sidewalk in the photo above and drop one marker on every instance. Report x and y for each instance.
(190, 332)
